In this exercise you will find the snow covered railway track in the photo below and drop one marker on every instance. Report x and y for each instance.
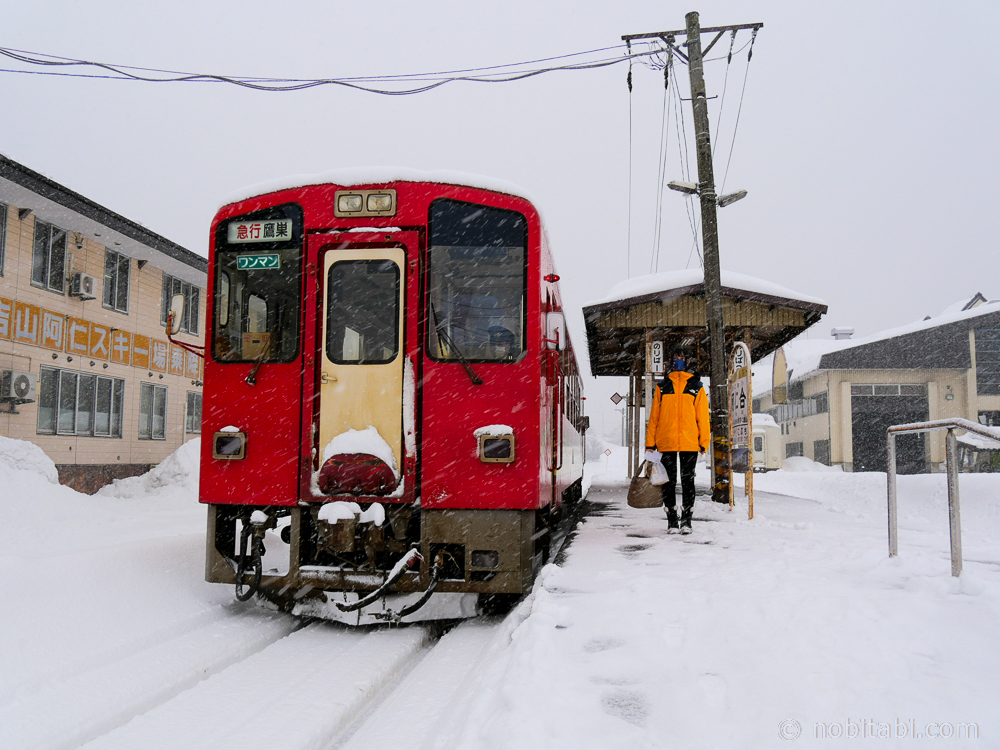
(300, 693)
(94, 698)
(425, 701)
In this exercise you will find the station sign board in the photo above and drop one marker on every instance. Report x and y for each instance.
(655, 357)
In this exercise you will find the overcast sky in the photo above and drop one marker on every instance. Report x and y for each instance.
(866, 140)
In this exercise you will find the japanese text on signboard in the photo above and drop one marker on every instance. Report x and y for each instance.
(274, 230)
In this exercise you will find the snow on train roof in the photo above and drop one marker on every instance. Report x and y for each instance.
(376, 176)
(663, 281)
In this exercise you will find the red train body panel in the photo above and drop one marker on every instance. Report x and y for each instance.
(414, 327)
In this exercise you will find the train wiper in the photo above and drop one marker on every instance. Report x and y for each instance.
(252, 376)
(439, 329)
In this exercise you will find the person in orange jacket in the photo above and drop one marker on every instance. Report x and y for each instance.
(679, 429)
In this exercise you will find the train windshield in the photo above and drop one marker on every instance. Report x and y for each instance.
(476, 282)
(258, 288)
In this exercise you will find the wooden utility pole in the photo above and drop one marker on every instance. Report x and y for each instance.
(710, 240)
(713, 273)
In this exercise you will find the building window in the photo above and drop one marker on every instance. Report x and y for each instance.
(3, 234)
(822, 401)
(193, 419)
(48, 259)
(172, 286)
(821, 452)
(116, 280)
(76, 403)
(987, 362)
(793, 449)
(152, 412)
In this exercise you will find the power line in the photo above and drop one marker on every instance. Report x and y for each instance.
(123, 72)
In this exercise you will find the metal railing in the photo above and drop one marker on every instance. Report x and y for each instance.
(951, 455)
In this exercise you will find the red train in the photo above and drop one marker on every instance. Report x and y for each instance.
(391, 399)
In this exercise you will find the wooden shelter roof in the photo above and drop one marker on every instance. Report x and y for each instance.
(617, 330)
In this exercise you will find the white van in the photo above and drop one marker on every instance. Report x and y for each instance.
(766, 443)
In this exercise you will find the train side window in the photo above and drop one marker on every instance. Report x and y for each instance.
(477, 280)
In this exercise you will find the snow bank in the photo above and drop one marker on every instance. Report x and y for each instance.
(20, 457)
(177, 471)
(366, 441)
(801, 463)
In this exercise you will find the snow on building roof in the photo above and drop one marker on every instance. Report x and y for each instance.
(804, 356)
(377, 176)
(669, 280)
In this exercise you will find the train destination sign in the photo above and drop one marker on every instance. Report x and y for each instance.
(270, 230)
(258, 262)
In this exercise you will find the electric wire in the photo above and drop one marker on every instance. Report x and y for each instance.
(739, 110)
(654, 261)
(682, 145)
(725, 85)
(57, 60)
(276, 84)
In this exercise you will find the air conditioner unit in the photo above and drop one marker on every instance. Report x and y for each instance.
(18, 387)
(83, 286)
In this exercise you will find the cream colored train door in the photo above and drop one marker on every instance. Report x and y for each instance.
(361, 382)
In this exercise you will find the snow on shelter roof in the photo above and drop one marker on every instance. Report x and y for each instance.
(661, 284)
(377, 176)
(671, 307)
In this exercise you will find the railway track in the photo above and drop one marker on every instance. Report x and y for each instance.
(251, 678)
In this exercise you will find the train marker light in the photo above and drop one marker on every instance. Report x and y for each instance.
(229, 446)
(496, 449)
(485, 558)
(552, 278)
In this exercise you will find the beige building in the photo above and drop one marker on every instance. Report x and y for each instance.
(843, 395)
(86, 370)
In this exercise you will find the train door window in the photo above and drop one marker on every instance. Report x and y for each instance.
(362, 312)
(477, 279)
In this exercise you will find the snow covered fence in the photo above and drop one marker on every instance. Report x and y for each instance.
(951, 456)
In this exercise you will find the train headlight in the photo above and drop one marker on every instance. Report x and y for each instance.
(229, 446)
(496, 449)
(349, 203)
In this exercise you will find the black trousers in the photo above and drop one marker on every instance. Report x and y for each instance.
(688, 459)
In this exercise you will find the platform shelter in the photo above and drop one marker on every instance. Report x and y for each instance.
(670, 308)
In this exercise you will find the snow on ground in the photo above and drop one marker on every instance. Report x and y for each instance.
(104, 601)
(730, 635)
(794, 621)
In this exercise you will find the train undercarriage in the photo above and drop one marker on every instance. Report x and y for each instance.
(467, 561)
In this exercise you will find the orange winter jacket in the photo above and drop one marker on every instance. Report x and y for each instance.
(678, 418)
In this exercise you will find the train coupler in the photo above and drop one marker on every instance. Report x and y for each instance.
(405, 562)
(253, 532)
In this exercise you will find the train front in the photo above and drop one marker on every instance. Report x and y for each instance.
(378, 420)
